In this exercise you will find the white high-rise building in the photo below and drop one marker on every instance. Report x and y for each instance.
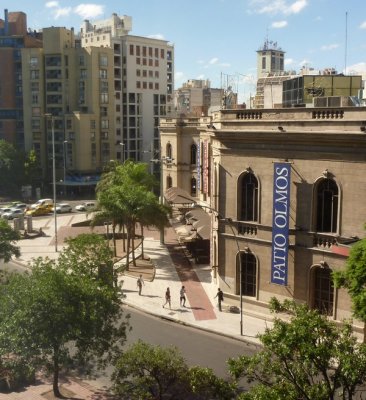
(143, 84)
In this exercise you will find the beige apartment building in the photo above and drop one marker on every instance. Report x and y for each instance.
(287, 191)
(143, 73)
(68, 91)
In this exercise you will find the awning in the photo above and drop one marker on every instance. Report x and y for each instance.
(175, 195)
(201, 222)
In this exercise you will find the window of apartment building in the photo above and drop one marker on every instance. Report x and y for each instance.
(169, 182)
(193, 187)
(34, 74)
(144, 51)
(68, 124)
(150, 62)
(144, 61)
(150, 85)
(162, 99)
(53, 61)
(103, 74)
(248, 197)
(104, 98)
(150, 52)
(103, 111)
(144, 73)
(327, 195)
(132, 121)
(132, 109)
(322, 289)
(156, 63)
(138, 51)
(36, 123)
(35, 97)
(104, 86)
(138, 72)
(138, 85)
(103, 60)
(138, 60)
(263, 62)
(118, 108)
(162, 53)
(81, 60)
(144, 85)
(169, 55)
(156, 51)
(151, 73)
(83, 74)
(248, 274)
(33, 62)
(92, 135)
(156, 74)
(131, 49)
(34, 86)
(104, 124)
(131, 98)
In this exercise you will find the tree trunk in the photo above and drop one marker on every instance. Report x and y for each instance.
(133, 232)
(56, 371)
(128, 248)
(114, 239)
(124, 239)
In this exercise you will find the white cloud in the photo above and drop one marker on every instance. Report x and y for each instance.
(359, 68)
(279, 24)
(363, 25)
(62, 12)
(51, 4)
(289, 61)
(278, 6)
(213, 61)
(159, 36)
(89, 10)
(329, 47)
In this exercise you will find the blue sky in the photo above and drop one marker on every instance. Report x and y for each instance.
(218, 39)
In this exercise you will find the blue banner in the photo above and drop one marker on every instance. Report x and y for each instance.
(280, 223)
(199, 166)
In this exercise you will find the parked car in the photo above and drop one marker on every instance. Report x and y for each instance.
(4, 210)
(87, 206)
(63, 208)
(21, 206)
(13, 213)
(40, 210)
(42, 202)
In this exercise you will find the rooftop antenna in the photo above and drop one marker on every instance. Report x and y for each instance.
(345, 47)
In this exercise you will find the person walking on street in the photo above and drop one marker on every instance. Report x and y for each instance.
(167, 298)
(183, 296)
(140, 282)
(220, 298)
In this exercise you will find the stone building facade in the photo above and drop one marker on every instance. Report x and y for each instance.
(243, 159)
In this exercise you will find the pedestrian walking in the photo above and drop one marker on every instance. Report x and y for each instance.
(182, 296)
(140, 282)
(220, 298)
(167, 298)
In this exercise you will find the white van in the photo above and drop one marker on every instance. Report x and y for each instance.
(42, 202)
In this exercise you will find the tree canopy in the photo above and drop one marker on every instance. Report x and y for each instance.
(152, 372)
(8, 238)
(53, 318)
(308, 357)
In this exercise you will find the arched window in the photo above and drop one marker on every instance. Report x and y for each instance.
(323, 290)
(194, 154)
(193, 187)
(169, 182)
(326, 206)
(248, 274)
(169, 151)
(248, 198)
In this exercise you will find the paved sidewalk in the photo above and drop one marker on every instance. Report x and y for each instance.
(172, 269)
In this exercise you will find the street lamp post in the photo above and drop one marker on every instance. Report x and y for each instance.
(65, 155)
(53, 174)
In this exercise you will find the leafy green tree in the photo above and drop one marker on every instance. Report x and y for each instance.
(55, 319)
(353, 278)
(11, 169)
(308, 357)
(8, 238)
(152, 372)
(32, 167)
(86, 255)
